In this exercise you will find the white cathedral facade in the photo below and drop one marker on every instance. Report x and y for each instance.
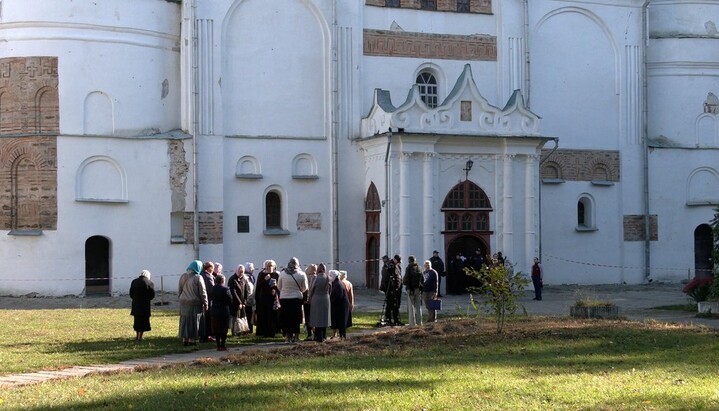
(143, 134)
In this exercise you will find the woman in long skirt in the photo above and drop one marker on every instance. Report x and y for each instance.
(142, 291)
(193, 301)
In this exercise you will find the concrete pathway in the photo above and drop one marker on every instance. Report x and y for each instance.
(636, 302)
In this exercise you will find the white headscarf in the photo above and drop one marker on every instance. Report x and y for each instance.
(333, 274)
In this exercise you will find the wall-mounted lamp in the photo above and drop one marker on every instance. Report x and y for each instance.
(467, 168)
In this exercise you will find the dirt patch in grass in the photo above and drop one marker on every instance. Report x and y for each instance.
(453, 332)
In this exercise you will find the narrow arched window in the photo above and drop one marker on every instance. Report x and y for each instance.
(585, 214)
(581, 214)
(427, 83)
(273, 210)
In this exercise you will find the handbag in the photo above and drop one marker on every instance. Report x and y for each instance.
(276, 304)
(240, 326)
(435, 304)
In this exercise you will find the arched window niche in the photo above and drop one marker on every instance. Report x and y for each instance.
(101, 179)
(304, 167)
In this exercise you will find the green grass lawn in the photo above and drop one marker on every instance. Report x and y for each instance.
(537, 364)
(36, 340)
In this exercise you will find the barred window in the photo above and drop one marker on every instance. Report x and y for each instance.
(463, 6)
(428, 88)
(392, 3)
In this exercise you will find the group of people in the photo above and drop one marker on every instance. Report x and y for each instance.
(420, 283)
(280, 302)
(273, 302)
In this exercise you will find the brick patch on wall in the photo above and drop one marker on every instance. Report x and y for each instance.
(634, 228)
(29, 124)
(582, 165)
(475, 6)
(387, 43)
(211, 230)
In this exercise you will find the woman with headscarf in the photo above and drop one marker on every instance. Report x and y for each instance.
(311, 272)
(319, 297)
(208, 268)
(142, 291)
(193, 301)
(292, 283)
(265, 295)
(250, 304)
(339, 304)
(239, 289)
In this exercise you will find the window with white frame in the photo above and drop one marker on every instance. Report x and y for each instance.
(427, 83)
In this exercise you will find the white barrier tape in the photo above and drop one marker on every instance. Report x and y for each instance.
(617, 266)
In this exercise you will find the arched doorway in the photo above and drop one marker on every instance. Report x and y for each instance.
(466, 232)
(703, 242)
(97, 266)
(373, 207)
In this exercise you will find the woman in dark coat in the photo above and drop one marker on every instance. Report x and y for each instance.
(221, 306)
(339, 305)
(266, 293)
(142, 291)
(319, 296)
(240, 289)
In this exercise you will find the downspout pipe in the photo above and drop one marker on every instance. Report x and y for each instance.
(386, 195)
(541, 161)
(335, 136)
(195, 132)
(527, 82)
(645, 143)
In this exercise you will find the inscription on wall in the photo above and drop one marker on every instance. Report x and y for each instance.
(309, 221)
(387, 43)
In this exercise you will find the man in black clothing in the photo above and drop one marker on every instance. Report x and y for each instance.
(392, 287)
(438, 266)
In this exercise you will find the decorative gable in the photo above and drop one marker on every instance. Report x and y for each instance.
(464, 111)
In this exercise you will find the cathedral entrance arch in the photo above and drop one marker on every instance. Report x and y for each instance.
(703, 242)
(466, 232)
(97, 266)
(373, 208)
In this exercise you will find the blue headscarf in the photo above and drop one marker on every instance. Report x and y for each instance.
(195, 266)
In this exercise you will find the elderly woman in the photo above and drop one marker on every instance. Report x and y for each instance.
(350, 295)
(142, 291)
(430, 289)
(292, 283)
(320, 301)
(265, 294)
(193, 301)
(340, 304)
(239, 289)
(206, 320)
(250, 306)
(311, 272)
